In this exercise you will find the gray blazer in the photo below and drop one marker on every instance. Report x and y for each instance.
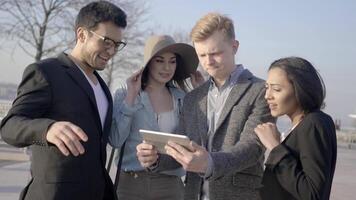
(236, 152)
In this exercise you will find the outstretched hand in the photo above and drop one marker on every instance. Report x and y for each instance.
(67, 136)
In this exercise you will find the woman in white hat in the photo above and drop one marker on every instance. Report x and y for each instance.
(152, 100)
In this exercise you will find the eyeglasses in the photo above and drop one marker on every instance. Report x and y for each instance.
(108, 43)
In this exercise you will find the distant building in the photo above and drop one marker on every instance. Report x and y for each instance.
(7, 91)
(4, 108)
(353, 116)
(7, 95)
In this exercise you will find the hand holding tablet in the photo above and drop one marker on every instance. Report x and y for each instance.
(160, 139)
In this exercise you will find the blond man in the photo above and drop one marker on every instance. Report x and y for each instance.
(225, 159)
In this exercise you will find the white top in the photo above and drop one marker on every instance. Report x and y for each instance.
(168, 121)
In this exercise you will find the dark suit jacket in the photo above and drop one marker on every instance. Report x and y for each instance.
(56, 90)
(236, 152)
(303, 166)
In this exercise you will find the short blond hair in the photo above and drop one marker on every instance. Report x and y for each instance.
(210, 23)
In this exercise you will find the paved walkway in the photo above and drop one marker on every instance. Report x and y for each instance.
(344, 183)
(14, 173)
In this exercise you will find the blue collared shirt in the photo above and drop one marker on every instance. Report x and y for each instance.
(215, 104)
(127, 120)
(217, 97)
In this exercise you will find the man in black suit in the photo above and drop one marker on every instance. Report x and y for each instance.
(63, 112)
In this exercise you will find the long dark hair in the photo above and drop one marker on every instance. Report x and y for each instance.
(308, 85)
(178, 79)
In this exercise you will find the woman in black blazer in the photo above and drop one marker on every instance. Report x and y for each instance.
(302, 165)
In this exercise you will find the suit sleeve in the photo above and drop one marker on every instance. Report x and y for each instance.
(25, 123)
(309, 177)
(248, 150)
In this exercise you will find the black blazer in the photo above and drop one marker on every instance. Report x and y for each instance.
(303, 166)
(56, 90)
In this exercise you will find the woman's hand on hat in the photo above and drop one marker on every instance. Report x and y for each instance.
(197, 79)
(133, 86)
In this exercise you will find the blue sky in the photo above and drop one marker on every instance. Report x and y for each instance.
(324, 32)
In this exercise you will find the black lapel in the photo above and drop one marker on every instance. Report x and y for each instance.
(77, 75)
(108, 117)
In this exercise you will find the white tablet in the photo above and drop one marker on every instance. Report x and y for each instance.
(160, 139)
